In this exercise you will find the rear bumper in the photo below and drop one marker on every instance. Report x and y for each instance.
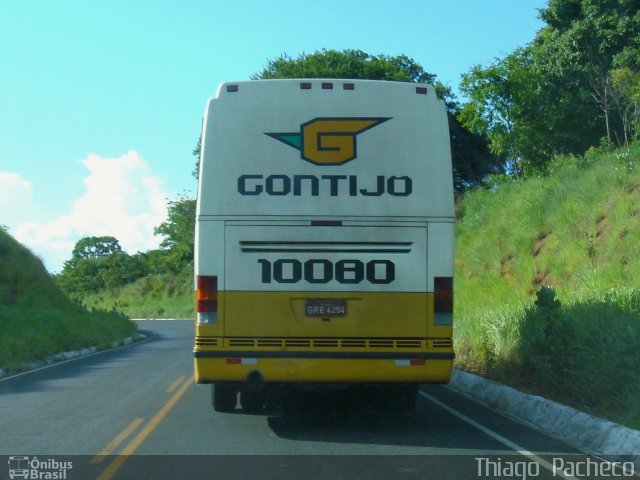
(329, 367)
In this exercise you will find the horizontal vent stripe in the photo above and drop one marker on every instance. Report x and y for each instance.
(206, 341)
(401, 339)
(305, 342)
(336, 355)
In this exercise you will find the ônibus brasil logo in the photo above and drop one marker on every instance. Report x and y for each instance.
(328, 141)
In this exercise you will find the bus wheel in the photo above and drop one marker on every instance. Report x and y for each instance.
(223, 398)
(252, 401)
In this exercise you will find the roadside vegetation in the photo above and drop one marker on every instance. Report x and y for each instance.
(548, 282)
(153, 284)
(38, 320)
(166, 295)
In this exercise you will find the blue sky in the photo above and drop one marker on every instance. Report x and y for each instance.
(101, 102)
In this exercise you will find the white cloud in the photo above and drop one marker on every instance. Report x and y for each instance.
(15, 197)
(123, 199)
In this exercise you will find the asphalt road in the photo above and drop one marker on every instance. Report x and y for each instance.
(135, 412)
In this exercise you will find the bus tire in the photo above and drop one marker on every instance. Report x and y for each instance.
(252, 401)
(223, 398)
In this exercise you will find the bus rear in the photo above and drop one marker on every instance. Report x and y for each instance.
(324, 239)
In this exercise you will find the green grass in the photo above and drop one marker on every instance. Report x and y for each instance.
(32, 334)
(576, 229)
(38, 320)
(157, 296)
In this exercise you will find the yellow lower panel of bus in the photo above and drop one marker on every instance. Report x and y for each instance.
(293, 370)
(369, 314)
(271, 332)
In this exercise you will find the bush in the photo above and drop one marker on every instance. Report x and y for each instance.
(585, 353)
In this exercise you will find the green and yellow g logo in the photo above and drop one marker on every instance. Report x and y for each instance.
(328, 141)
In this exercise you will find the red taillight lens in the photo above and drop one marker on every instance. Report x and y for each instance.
(443, 300)
(207, 294)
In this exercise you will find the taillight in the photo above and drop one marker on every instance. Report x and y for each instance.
(207, 299)
(443, 300)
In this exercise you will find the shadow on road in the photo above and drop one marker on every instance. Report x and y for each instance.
(337, 418)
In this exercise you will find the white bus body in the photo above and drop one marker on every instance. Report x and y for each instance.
(324, 236)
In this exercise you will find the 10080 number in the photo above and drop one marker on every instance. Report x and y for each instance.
(290, 270)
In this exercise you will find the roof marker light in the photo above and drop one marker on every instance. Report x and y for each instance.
(421, 90)
(327, 86)
(348, 86)
(232, 88)
(305, 86)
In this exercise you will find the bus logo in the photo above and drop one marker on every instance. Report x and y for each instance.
(328, 141)
(18, 467)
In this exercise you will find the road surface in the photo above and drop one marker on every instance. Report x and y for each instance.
(135, 412)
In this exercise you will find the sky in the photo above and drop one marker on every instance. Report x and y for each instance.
(101, 102)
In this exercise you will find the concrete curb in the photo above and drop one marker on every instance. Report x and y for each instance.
(590, 434)
(66, 356)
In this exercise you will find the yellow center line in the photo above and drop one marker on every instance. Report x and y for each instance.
(175, 384)
(116, 441)
(133, 445)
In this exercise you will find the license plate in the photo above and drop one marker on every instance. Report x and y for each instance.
(325, 307)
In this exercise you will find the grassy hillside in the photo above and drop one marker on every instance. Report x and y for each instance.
(576, 230)
(37, 319)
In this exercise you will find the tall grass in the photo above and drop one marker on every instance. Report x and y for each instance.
(577, 230)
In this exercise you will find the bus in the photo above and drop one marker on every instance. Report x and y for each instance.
(324, 240)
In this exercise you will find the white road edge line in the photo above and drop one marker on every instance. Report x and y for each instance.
(62, 362)
(535, 427)
(496, 436)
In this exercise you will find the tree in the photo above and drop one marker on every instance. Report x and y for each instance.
(559, 94)
(119, 269)
(583, 42)
(196, 153)
(96, 263)
(179, 232)
(626, 97)
(80, 276)
(354, 64)
(504, 105)
(95, 247)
